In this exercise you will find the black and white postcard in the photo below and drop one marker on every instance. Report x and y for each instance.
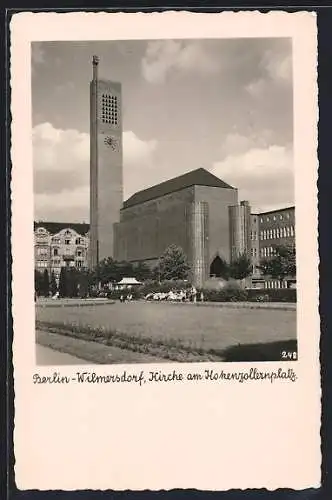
(165, 255)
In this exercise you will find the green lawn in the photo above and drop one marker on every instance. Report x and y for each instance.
(207, 327)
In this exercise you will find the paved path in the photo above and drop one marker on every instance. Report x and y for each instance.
(47, 356)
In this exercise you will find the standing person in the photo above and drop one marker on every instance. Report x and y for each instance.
(194, 294)
(202, 296)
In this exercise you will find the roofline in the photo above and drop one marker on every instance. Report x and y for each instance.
(277, 210)
(62, 223)
(170, 192)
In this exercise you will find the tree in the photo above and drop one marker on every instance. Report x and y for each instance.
(53, 285)
(282, 264)
(173, 264)
(72, 282)
(85, 280)
(240, 267)
(142, 272)
(63, 292)
(38, 282)
(106, 271)
(125, 270)
(46, 284)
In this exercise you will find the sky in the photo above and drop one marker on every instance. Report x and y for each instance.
(222, 104)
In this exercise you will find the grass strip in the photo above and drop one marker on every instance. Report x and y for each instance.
(172, 349)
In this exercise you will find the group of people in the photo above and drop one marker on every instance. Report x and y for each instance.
(184, 295)
(126, 298)
(188, 295)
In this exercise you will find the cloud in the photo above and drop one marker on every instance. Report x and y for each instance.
(264, 176)
(256, 87)
(163, 56)
(61, 170)
(278, 66)
(37, 53)
(275, 71)
(139, 161)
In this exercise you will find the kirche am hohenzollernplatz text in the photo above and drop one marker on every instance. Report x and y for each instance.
(196, 211)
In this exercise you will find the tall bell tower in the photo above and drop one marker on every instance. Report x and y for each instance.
(106, 164)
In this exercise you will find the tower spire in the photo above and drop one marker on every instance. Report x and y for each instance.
(95, 62)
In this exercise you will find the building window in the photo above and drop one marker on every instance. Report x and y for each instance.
(281, 217)
(261, 235)
(288, 232)
(264, 234)
(67, 242)
(287, 216)
(292, 231)
(274, 217)
(274, 234)
(78, 263)
(267, 219)
(261, 219)
(56, 240)
(277, 233)
(55, 251)
(42, 251)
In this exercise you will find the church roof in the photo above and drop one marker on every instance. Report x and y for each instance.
(198, 177)
(55, 227)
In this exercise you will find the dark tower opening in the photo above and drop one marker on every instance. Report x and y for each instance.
(218, 268)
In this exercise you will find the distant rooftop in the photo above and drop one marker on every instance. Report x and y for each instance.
(55, 227)
(129, 281)
(198, 177)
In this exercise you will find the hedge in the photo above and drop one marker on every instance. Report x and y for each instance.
(271, 295)
(230, 293)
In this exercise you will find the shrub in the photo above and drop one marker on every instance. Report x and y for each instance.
(227, 294)
(272, 295)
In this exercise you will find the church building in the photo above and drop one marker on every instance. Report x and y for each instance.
(192, 211)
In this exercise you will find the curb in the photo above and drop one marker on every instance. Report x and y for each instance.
(77, 304)
(229, 305)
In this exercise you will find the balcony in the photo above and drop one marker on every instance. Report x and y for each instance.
(69, 257)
